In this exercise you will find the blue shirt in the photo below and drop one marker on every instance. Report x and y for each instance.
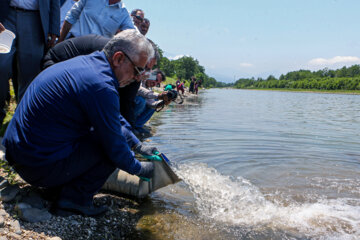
(64, 9)
(60, 107)
(25, 4)
(98, 17)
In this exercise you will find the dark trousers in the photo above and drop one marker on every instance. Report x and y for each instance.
(23, 61)
(142, 112)
(78, 177)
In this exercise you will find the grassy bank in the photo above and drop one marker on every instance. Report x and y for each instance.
(351, 92)
(170, 80)
(10, 109)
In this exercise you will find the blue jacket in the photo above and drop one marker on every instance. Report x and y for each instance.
(60, 107)
(49, 14)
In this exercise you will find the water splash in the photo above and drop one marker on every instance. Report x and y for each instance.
(236, 202)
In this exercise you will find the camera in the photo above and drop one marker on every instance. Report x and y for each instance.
(172, 95)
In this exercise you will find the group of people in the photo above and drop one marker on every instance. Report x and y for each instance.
(193, 88)
(194, 85)
(84, 94)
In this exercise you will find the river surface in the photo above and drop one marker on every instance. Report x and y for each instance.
(259, 165)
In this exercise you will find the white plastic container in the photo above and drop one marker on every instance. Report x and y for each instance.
(125, 183)
(6, 40)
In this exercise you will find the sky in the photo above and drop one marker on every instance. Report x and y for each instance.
(236, 39)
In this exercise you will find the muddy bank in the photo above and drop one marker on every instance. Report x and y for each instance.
(120, 222)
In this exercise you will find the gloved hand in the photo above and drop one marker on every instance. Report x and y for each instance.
(146, 171)
(145, 150)
(148, 152)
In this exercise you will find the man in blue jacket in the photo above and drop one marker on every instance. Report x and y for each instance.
(36, 26)
(66, 131)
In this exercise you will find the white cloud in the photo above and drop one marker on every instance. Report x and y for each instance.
(177, 57)
(334, 61)
(246, 65)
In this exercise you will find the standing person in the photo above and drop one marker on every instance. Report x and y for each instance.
(192, 85)
(144, 27)
(178, 82)
(66, 133)
(65, 6)
(196, 87)
(137, 17)
(180, 86)
(36, 26)
(101, 17)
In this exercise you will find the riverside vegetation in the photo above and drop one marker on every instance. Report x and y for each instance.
(186, 67)
(346, 79)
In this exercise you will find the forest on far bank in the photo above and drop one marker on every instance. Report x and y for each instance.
(186, 67)
(346, 78)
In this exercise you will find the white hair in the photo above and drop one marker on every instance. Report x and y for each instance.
(131, 42)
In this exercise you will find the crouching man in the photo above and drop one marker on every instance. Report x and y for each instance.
(66, 133)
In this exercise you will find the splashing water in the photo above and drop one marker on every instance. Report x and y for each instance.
(236, 202)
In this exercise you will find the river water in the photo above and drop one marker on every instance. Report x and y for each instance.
(259, 165)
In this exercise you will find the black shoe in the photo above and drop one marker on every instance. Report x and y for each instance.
(66, 208)
(50, 194)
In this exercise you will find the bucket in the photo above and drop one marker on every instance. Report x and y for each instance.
(125, 183)
(6, 40)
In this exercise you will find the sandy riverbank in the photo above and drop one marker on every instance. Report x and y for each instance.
(118, 223)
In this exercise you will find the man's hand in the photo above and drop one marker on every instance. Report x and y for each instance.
(64, 30)
(145, 150)
(146, 170)
(164, 96)
(2, 28)
(52, 39)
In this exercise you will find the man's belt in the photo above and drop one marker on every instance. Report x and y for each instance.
(22, 9)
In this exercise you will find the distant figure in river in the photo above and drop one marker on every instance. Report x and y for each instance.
(180, 86)
(192, 85)
(196, 87)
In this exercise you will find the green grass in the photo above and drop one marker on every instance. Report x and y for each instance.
(9, 171)
(169, 80)
(10, 110)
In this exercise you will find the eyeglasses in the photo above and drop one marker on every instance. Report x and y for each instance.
(137, 70)
(139, 18)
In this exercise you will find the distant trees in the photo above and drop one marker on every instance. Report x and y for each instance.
(185, 68)
(346, 78)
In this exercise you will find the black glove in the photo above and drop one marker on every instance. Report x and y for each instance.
(145, 150)
(147, 170)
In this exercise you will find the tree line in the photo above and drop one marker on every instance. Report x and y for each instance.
(185, 68)
(346, 78)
